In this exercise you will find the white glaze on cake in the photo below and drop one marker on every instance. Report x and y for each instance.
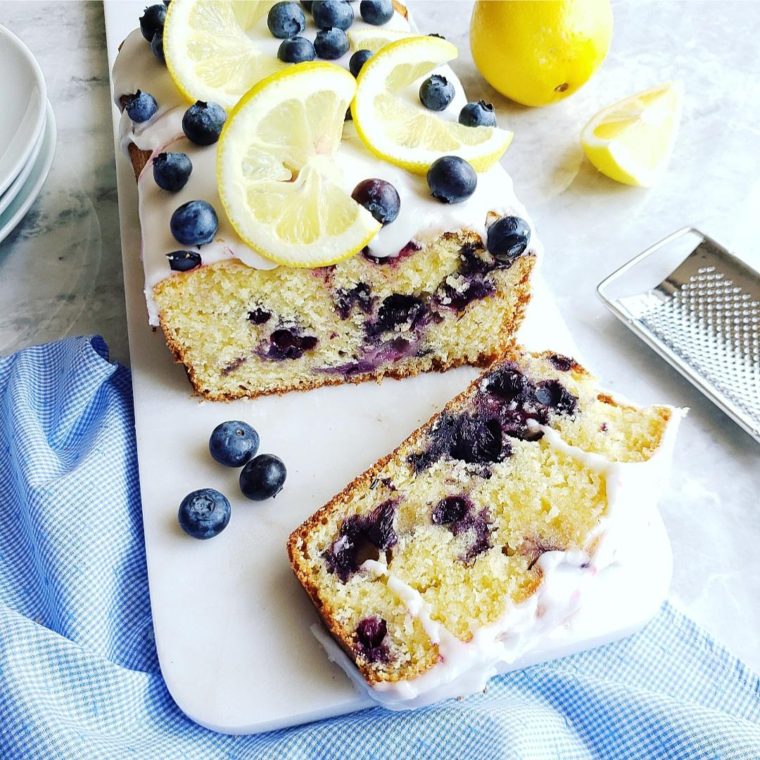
(421, 217)
(464, 668)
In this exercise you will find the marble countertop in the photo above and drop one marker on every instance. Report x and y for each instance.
(60, 271)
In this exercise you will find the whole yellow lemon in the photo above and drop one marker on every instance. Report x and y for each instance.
(537, 52)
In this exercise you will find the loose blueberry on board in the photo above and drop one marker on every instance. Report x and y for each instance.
(183, 261)
(171, 171)
(296, 50)
(157, 45)
(204, 513)
(478, 114)
(451, 179)
(152, 21)
(507, 238)
(233, 443)
(202, 123)
(194, 223)
(331, 44)
(376, 12)
(262, 477)
(330, 14)
(379, 197)
(286, 20)
(436, 92)
(141, 106)
(357, 60)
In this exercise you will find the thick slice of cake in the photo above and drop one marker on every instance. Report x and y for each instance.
(424, 294)
(456, 553)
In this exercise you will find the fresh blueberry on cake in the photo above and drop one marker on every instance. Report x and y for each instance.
(204, 513)
(233, 443)
(141, 106)
(436, 92)
(194, 223)
(152, 20)
(285, 20)
(330, 14)
(296, 50)
(357, 60)
(331, 44)
(202, 123)
(456, 553)
(263, 477)
(451, 179)
(171, 171)
(477, 114)
(376, 12)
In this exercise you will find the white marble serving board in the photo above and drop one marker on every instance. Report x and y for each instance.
(231, 623)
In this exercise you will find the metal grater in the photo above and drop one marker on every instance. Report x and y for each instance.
(703, 317)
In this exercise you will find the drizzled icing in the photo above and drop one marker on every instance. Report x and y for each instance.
(566, 576)
(421, 217)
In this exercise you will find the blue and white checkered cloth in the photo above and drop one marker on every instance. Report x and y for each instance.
(78, 671)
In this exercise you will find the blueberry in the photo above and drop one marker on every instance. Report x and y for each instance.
(562, 363)
(262, 477)
(360, 296)
(451, 509)
(171, 171)
(436, 92)
(152, 21)
(379, 197)
(376, 12)
(202, 123)
(357, 60)
(157, 45)
(259, 316)
(507, 238)
(288, 344)
(286, 20)
(478, 441)
(296, 50)
(183, 261)
(451, 179)
(370, 633)
(194, 223)
(141, 106)
(331, 44)
(329, 14)
(508, 384)
(478, 114)
(399, 309)
(553, 394)
(204, 513)
(233, 443)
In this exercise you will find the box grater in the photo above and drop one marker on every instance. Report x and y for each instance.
(703, 317)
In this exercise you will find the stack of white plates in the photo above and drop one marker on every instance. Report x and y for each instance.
(27, 131)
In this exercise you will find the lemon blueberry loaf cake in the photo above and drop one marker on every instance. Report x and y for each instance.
(478, 535)
(288, 244)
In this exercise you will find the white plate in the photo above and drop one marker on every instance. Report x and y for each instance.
(15, 187)
(231, 623)
(23, 112)
(29, 191)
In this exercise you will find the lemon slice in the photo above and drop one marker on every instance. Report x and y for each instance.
(631, 141)
(395, 126)
(276, 171)
(374, 39)
(209, 53)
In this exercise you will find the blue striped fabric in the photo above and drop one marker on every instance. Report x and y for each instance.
(78, 671)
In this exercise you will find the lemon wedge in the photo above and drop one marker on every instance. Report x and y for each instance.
(374, 39)
(277, 177)
(396, 127)
(631, 141)
(209, 53)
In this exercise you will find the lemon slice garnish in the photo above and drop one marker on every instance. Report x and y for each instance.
(277, 176)
(208, 51)
(631, 141)
(374, 39)
(395, 126)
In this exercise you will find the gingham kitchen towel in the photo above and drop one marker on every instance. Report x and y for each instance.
(78, 671)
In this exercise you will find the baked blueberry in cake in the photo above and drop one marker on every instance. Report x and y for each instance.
(262, 283)
(477, 536)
